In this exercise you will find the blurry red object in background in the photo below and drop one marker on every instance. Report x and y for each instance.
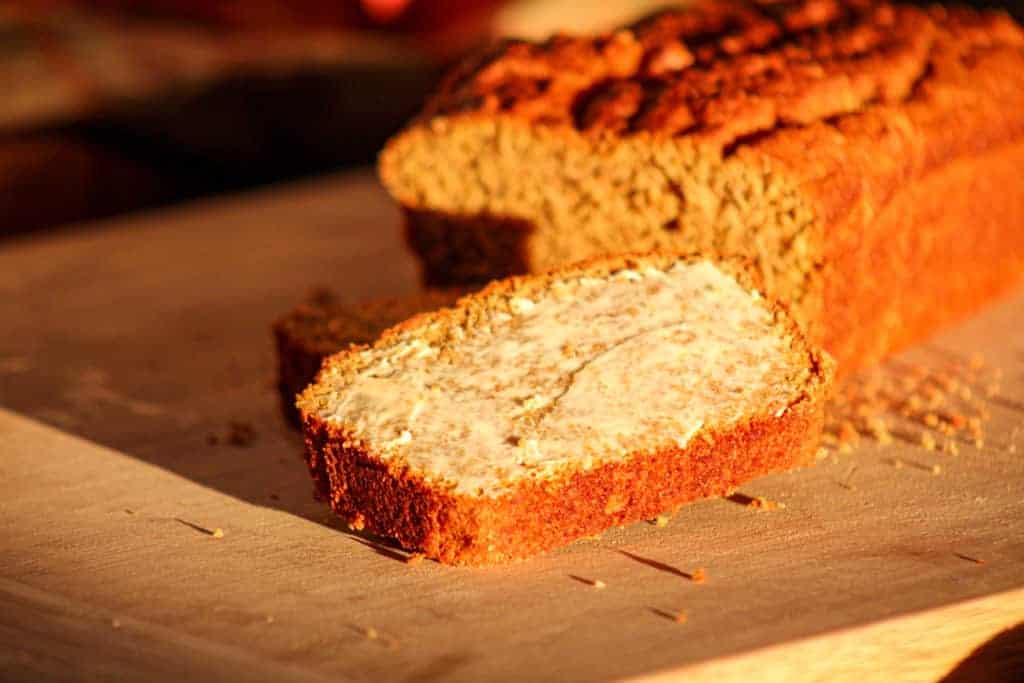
(384, 11)
(405, 15)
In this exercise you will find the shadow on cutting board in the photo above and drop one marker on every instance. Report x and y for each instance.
(1000, 659)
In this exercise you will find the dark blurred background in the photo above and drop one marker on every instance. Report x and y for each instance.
(114, 105)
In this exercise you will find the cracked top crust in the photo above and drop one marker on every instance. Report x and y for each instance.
(720, 71)
(536, 376)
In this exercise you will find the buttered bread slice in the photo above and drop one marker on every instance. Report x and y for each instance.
(546, 408)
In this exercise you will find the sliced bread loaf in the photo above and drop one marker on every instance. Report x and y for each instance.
(545, 408)
(865, 156)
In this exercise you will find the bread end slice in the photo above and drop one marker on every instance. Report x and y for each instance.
(551, 407)
(323, 325)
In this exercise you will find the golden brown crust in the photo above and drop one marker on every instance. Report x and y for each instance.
(388, 499)
(920, 203)
(931, 262)
(718, 71)
(474, 531)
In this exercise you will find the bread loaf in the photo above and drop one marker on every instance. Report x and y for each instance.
(865, 156)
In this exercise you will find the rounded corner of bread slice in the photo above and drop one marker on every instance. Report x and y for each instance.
(531, 412)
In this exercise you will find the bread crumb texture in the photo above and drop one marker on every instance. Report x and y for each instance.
(476, 404)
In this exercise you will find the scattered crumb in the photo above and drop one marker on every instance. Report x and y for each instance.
(760, 503)
(879, 429)
(218, 533)
(698, 575)
(240, 433)
(598, 583)
(979, 444)
(660, 521)
(414, 559)
(936, 470)
(898, 400)
(371, 633)
(680, 617)
(357, 523)
(951, 447)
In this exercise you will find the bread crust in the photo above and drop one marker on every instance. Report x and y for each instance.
(385, 498)
(717, 71)
(902, 127)
(460, 530)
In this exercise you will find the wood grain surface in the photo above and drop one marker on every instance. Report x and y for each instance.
(131, 350)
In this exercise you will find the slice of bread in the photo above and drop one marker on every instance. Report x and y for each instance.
(550, 407)
(323, 325)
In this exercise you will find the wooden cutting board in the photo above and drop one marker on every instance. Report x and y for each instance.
(136, 370)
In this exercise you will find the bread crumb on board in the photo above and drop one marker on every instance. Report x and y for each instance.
(755, 502)
(239, 433)
(762, 503)
(931, 406)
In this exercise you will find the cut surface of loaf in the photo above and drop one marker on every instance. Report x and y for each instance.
(323, 325)
(551, 407)
(845, 147)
